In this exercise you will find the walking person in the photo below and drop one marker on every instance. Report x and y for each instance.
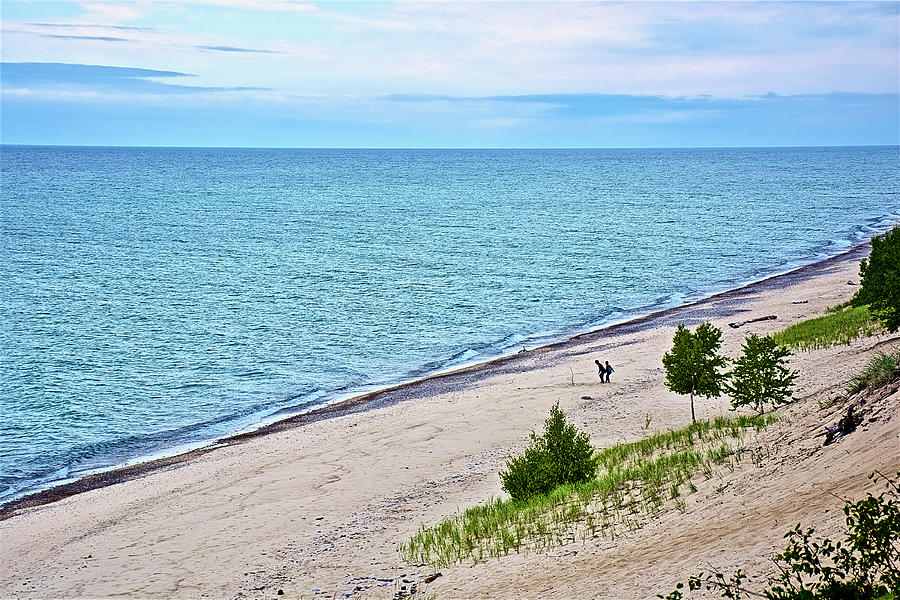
(601, 370)
(609, 371)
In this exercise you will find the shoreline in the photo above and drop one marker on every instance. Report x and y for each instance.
(454, 379)
(319, 511)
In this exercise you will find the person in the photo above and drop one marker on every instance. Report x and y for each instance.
(600, 369)
(609, 371)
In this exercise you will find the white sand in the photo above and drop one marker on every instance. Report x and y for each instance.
(325, 505)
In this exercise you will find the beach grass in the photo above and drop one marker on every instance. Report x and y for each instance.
(880, 370)
(636, 480)
(841, 325)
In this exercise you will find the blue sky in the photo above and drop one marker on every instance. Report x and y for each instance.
(280, 73)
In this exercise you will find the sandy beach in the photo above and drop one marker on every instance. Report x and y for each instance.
(316, 506)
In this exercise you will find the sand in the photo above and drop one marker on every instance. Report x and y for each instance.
(317, 507)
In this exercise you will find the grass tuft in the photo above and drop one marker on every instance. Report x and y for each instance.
(841, 325)
(880, 370)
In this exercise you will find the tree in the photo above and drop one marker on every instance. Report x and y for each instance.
(692, 365)
(561, 455)
(880, 280)
(761, 375)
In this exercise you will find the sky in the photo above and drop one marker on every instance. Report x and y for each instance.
(284, 73)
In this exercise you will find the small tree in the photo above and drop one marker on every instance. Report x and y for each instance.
(880, 280)
(761, 375)
(692, 365)
(561, 455)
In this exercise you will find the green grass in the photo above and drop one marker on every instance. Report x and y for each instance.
(838, 308)
(841, 325)
(636, 480)
(881, 369)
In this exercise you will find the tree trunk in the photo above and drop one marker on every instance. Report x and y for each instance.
(693, 418)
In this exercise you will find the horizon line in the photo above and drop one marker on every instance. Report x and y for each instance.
(168, 147)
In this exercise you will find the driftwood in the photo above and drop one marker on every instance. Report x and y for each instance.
(737, 324)
(845, 426)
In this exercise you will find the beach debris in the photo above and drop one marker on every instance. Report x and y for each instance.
(431, 578)
(799, 301)
(586, 398)
(406, 591)
(845, 426)
(850, 283)
(737, 324)
(280, 592)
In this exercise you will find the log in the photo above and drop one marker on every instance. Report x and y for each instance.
(737, 324)
(845, 426)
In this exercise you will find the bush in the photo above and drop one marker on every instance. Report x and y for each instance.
(561, 455)
(880, 280)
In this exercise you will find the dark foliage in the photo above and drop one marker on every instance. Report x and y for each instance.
(561, 455)
(880, 280)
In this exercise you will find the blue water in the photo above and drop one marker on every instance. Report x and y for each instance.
(158, 297)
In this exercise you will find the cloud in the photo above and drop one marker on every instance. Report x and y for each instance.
(568, 104)
(32, 72)
(482, 49)
(78, 80)
(89, 25)
(553, 120)
(559, 108)
(112, 11)
(293, 6)
(236, 49)
(95, 38)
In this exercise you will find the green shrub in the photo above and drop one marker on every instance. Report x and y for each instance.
(561, 455)
(879, 285)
